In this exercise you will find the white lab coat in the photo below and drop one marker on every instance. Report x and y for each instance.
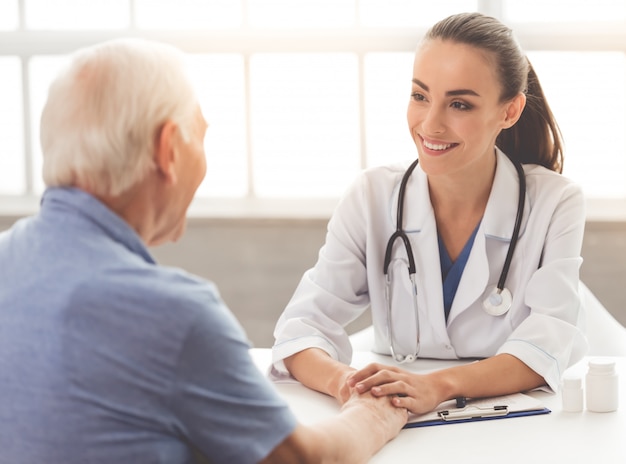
(543, 326)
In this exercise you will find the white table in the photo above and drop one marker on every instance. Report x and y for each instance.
(558, 437)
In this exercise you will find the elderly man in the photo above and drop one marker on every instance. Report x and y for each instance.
(106, 356)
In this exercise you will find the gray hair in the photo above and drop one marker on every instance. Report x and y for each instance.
(104, 112)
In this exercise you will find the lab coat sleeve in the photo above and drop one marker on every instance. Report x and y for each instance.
(551, 338)
(331, 294)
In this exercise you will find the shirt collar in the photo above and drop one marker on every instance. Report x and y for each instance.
(87, 208)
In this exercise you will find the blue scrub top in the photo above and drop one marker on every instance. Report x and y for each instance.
(451, 272)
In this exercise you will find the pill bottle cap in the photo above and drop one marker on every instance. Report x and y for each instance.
(602, 365)
(572, 382)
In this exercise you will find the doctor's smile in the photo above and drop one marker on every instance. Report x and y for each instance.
(436, 146)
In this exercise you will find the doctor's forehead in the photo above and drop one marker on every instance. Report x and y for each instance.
(454, 68)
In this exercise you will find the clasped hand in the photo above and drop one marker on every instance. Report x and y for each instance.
(414, 392)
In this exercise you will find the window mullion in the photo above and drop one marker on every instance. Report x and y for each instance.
(132, 16)
(21, 8)
(251, 190)
(27, 132)
(361, 102)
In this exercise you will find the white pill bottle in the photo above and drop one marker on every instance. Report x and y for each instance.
(602, 386)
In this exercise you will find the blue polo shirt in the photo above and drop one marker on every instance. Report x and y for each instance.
(106, 356)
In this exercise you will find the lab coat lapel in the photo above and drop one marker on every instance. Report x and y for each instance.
(497, 224)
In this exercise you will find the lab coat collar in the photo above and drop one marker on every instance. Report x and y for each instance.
(417, 207)
(500, 213)
(497, 224)
(499, 218)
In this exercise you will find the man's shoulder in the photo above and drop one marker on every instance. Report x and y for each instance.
(150, 285)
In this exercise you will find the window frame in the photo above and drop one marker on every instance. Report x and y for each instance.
(246, 41)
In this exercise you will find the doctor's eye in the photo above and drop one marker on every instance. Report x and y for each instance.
(458, 105)
(416, 96)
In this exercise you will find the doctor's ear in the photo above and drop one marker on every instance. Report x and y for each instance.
(513, 110)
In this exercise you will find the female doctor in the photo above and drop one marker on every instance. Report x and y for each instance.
(425, 247)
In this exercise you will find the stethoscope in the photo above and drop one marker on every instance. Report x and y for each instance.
(499, 300)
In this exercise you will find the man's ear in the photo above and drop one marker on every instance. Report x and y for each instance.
(166, 151)
(514, 109)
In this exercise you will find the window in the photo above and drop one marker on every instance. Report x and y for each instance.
(12, 168)
(554, 11)
(76, 14)
(219, 79)
(403, 13)
(305, 120)
(302, 94)
(287, 14)
(587, 95)
(188, 14)
(8, 15)
(42, 70)
(387, 91)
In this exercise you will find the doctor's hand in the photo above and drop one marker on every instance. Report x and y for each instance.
(417, 393)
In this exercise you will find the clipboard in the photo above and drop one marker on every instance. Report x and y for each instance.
(481, 409)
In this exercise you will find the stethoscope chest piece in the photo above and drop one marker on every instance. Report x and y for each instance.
(498, 302)
(409, 358)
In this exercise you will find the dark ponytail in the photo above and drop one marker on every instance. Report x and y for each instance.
(535, 138)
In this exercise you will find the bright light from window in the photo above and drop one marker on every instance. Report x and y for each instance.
(410, 13)
(586, 93)
(8, 15)
(387, 91)
(42, 70)
(219, 80)
(286, 122)
(76, 14)
(12, 175)
(560, 11)
(188, 14)
(305, 123)
(301, 13)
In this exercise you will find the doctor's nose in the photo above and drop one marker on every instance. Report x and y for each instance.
(433, 121)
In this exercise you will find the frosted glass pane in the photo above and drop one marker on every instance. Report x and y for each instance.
(560, 11)
(42, 70)
(301, 13)
(219, 80)
(387, 94)
(305, 123)
(183, 14)
(12, 161)
(77, 14)
(8, 15)
(410, 13)
(587, 95)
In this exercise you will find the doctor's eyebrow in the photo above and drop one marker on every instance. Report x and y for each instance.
(449, 93)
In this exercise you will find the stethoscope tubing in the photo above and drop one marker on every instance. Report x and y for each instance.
(399, 233)
(521, 203)
(503, 296)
